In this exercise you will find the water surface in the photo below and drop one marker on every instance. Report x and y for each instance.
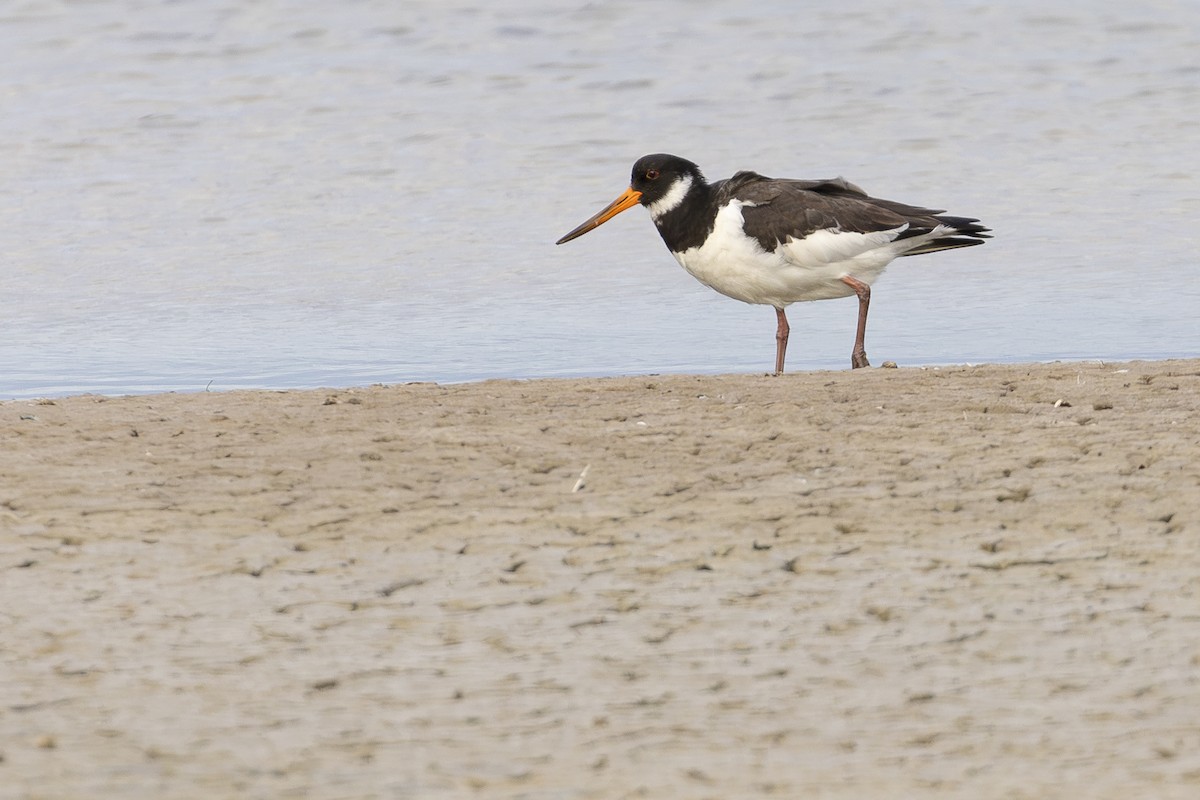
(298, 194)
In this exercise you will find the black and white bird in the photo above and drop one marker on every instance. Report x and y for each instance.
(776, 241)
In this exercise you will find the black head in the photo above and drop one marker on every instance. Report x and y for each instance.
(656, 175)
(653, 178)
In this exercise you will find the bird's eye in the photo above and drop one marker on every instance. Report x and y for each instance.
(652, 174)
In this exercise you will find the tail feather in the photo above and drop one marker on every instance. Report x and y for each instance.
(962, 232)
(945, 243)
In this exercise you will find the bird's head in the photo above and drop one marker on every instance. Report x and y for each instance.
(659, 182)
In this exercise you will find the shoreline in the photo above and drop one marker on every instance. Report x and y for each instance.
(207, 389)
(953, 581)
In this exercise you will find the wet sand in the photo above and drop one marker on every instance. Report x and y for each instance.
(959, 582)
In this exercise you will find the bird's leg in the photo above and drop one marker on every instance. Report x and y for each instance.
(781, 337)
(858, 358)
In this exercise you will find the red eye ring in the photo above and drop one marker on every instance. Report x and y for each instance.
(652, 174)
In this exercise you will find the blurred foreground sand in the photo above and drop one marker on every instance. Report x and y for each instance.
(880, 583)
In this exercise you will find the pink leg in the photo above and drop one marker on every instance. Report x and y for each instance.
(781, 337)
(858, 358)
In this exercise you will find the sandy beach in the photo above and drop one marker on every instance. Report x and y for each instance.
(959, 582)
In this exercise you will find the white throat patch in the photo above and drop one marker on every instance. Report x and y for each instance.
(672, 199)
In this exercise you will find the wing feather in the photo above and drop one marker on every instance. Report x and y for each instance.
(832, 219)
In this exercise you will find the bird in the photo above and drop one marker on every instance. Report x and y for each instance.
(775, 241)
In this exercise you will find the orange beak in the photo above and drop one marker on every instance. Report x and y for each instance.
(627, 200)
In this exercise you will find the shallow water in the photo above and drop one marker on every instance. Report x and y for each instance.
(284, 195)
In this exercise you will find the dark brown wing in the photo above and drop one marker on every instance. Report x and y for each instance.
(777, 210)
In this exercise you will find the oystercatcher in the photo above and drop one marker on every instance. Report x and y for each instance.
(775, 241)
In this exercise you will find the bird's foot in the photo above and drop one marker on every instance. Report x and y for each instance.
(859, 360)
